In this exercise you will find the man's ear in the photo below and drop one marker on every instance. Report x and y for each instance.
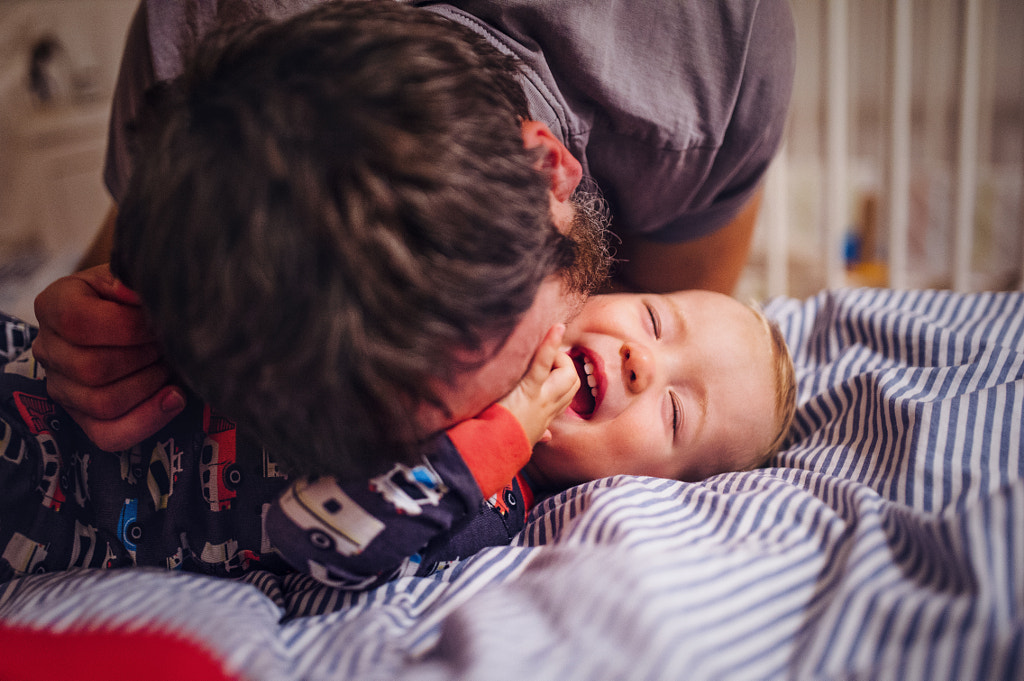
(564, 170)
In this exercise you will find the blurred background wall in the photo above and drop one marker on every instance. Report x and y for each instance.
(58, 65)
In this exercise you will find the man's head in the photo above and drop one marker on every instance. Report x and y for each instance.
(335, 216)
(684, 385)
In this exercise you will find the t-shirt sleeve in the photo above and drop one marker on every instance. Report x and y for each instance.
(754, 130)
(674, 109)
(160, 39)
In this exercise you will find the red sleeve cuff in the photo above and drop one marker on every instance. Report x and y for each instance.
(493, 446)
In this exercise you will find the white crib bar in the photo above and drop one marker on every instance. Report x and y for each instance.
(946, 263)
(899, 150)
(967, 148)
(836, 186)
(775, 215)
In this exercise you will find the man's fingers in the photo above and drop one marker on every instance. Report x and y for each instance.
(140, 423)
(102, 361)
(91, 309)
(107, 286)
(93, 366)
(110, 401)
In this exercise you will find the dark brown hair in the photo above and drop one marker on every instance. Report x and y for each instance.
(323, 210)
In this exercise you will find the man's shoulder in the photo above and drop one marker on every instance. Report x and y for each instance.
(173, 27)
(645, 96)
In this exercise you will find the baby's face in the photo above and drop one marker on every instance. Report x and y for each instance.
(683, 387)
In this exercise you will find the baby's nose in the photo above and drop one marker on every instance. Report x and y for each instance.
(637, 367)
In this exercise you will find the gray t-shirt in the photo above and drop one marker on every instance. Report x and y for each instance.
(674, 108)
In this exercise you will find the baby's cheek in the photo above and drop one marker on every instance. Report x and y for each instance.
(640, 451)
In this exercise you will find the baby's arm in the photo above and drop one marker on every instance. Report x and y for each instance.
(480, 455)
(546, 390)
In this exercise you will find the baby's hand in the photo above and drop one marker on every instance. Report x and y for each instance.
(546, 390)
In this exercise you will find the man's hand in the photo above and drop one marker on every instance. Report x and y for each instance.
(102, 362)
(546, 390)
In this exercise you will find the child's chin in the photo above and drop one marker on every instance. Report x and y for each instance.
(546, 453)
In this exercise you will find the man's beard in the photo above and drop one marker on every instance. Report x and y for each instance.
(589, 234)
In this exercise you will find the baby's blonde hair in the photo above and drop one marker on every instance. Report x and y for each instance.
(785, 387)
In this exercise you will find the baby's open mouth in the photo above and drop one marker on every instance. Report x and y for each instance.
(585, 401)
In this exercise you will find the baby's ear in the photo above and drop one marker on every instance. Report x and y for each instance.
(546, 437)
(565, 171)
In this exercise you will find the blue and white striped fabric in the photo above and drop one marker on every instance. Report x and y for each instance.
(886, 542)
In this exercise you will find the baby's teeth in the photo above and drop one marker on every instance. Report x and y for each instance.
(588, 369)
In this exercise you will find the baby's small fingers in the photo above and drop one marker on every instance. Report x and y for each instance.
(563, 381)
(562, 364)
(546, 354)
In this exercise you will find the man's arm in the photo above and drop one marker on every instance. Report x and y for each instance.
(102, 363)
(713, 262)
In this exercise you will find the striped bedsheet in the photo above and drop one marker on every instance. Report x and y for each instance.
(885, 542)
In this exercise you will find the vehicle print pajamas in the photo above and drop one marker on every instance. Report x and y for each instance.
(201, 496)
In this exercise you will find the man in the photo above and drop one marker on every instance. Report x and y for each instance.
(315, 246)
(673, 113)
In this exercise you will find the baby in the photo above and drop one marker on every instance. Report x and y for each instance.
(682, 386)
